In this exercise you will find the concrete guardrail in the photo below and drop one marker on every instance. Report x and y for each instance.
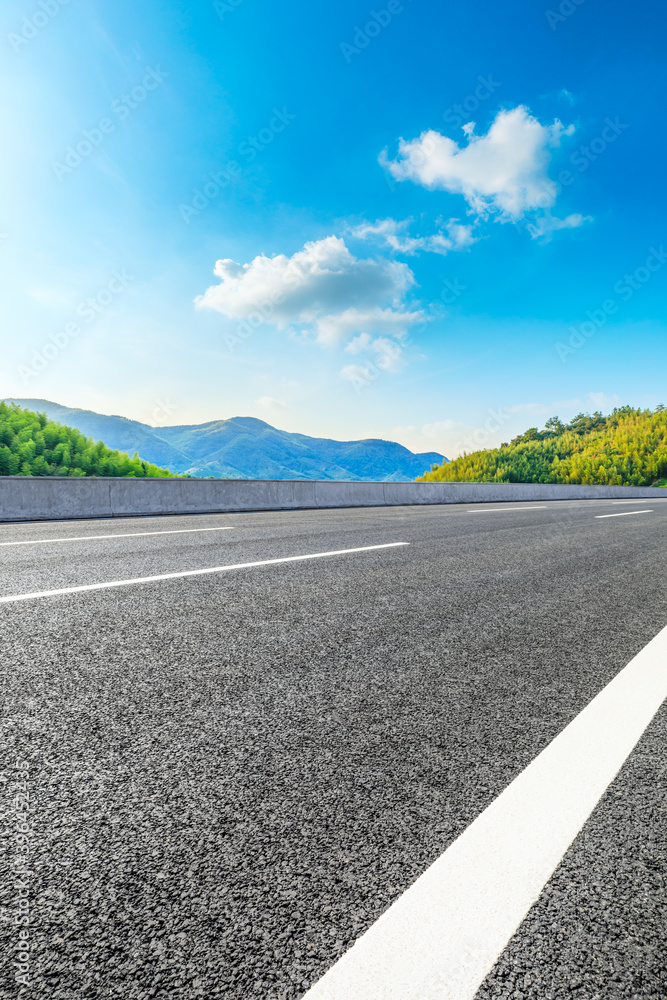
(24, 498)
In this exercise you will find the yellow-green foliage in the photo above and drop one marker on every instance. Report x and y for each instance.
(33, 445)
(627, 448)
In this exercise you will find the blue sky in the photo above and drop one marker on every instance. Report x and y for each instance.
(285, 210)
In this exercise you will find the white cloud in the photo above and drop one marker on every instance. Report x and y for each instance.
(323, 288)
(325, 294)
(503, 173)
(460, 234)
(387, 356)
(392, 233)
(335, 329)
(390, 355)
(547, 224)
(360, 343)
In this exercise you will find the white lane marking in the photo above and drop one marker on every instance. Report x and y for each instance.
(442, 937)
(127, 534)
(193, 572)
(624, 513)
(495, 510)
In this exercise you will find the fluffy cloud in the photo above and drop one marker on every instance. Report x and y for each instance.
(453, 236)
(503, 173)
(359, 323)
(323, 290)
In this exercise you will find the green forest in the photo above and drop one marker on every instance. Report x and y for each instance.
(627, 448)
(33, 445)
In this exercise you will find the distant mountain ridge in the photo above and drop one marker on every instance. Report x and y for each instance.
(245, 448)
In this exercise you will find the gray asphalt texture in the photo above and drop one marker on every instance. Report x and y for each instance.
(232, 776)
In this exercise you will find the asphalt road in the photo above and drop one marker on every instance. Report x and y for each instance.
(231, 776)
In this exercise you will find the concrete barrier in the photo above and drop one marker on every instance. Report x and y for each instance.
(24, 498)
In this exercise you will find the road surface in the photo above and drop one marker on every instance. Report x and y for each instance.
(232, 774)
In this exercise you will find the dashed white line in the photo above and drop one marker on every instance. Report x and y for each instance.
(193, 572)
(624, 513)
(126, 534)
(495, 510)
(442, 937)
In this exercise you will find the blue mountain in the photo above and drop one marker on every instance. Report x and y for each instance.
(245, 448)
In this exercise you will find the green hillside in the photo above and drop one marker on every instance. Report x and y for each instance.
(627, 448)
(33, 445)
(244, 448)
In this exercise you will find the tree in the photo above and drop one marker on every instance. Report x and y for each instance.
(628, 447)
(33, 445)
(554, 425)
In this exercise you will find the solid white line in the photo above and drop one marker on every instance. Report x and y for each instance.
(442, 937)
(624, 513)
(127, 534)
(193, 572)
(494, 510)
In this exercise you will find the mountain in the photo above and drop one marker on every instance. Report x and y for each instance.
(116, 432)
(627, 448)
(245, 448)
(31, 444)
